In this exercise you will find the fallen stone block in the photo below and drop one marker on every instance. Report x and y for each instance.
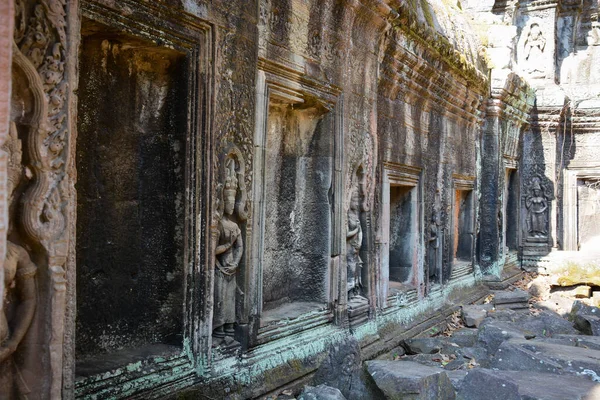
(464, 337)
(546, 324)
(424, 345)
(456, 378)
(517, 296)
(588, 342)
(583, 292)
(580, 308)
(342, 369)
(525, 385)
(473, 315)
(492, 333)
(477, 355)
(321, 392)
(587, 324)
(430, 360)
(410, 380)
(481, 384)
(540, 386)
(542, 356)
(511, 356)
(513, 306)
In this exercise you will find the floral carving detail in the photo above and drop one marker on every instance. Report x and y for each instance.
(41, 39)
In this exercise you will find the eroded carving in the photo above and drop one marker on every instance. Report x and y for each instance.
(593, 36)
(358, 305)
(19, 302)
(354, 237)
(232, 211)
(532, 50)
(537, 206)
(41, 55)
(434, 247)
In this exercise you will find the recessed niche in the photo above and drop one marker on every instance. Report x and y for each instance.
(463, 225)
(297, 225)
(511, 211)
(588, 213)
(403, 234)
(131, 144)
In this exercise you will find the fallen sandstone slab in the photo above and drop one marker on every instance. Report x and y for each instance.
(488, 384)
(542, 356)
(410, 380)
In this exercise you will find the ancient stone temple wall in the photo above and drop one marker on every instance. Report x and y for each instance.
(561, 142)
(203, 197)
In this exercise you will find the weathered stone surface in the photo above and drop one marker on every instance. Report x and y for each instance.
(342, 369)
(546, 324)
(525, 385)
(477, 355)
(540, 386)
(134, 115)
(321, 392)
(485, 384)
(586, 318)
(539, 287)
(424, 345)
(588, 342)
(457, 377)
(410, 380)
(507, 297)
(513, 356)
(493, 333)
(532, 355)
(588, 324)
(473, 315)
(464, 336)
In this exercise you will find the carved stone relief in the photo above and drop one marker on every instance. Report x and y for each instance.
(20, 297)
(536, 203)
(40, 118)
(435, 241)
(354, 237)
(531, 50)
(358, 305)
(230, 248)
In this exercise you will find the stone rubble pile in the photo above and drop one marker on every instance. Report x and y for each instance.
(505, 352)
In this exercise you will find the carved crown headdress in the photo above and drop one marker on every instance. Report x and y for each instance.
(231, 181)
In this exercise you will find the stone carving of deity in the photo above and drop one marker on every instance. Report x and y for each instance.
(354, 237)
(537, 206)
(533, 49)
(593, 36)
(434, 245)
(19, 302)
(229, 250)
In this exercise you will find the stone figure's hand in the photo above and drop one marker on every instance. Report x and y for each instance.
(6, 351)
(231, 267)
